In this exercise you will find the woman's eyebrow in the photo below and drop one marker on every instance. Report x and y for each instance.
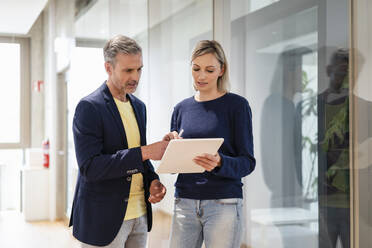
(206, 66)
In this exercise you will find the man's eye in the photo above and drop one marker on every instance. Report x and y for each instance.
(210, 71)
(196, 69)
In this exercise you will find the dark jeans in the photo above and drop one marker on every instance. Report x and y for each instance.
(334, 223)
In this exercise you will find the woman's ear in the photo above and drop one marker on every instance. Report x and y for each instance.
(222, 71)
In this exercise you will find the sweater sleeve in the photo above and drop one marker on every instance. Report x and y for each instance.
(174, 125)
(243, 163)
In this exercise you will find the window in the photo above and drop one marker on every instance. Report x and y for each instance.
(14, 93)
(10, 131)
(15, 120)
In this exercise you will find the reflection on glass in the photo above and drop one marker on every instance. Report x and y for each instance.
(174, 29)
(309, 119)
(106, 18)
(243, 7)
(93, 23)
(10, 93)
(333, 180)
(285, 56)
(175, 26)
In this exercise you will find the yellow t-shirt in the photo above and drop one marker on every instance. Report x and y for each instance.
(136, 202)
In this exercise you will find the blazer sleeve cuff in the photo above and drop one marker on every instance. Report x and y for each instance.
(133, 163)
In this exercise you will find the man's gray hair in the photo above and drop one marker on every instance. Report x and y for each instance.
(120, 44)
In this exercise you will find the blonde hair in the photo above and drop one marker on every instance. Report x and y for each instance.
(213, 47)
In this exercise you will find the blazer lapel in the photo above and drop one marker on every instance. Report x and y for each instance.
(140, 120)
(114, 111)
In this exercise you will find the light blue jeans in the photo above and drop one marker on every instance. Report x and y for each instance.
(132, 234)
(216, 222)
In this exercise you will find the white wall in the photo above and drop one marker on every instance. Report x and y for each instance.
(37, 73)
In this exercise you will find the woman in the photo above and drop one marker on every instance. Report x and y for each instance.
(208, 206)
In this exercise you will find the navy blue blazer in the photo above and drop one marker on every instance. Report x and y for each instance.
(105, 167)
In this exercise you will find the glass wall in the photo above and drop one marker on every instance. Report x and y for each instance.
(85, 75)
(167, 30)
(94, 25)
(290, 60)
(174, 28)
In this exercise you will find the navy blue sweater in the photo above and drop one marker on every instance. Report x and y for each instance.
(228, 117)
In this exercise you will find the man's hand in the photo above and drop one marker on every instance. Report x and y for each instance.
(154, 151)
(157, 191)
(208, 161)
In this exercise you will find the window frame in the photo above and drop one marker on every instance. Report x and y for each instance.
(25, 98)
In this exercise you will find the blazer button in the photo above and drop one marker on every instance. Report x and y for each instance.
(129, 179)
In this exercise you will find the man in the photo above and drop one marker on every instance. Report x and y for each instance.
(333, 155)
(116, 181)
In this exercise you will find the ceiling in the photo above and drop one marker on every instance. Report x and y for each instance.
(18, 16)
(130, 17)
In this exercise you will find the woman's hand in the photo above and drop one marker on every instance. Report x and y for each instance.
(171, 135)
(208, 161)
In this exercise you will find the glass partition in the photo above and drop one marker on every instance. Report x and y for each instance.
(86, 74)
(175, 27)
(290, 59)
(94, 25)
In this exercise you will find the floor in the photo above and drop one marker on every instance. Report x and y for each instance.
(16, 233)
(159, 235)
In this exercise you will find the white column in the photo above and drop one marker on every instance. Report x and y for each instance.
(50, 106)
(221, 24)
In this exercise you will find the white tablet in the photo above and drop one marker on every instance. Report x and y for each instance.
(179, 154)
